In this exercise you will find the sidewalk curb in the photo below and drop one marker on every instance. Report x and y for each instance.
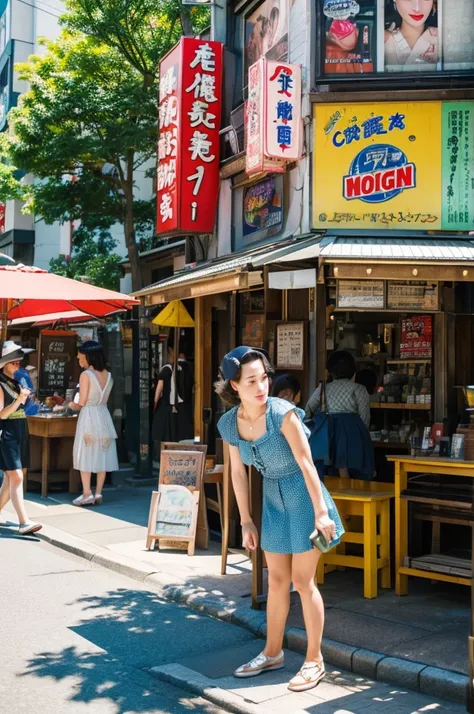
(426, 679)
(196, 683)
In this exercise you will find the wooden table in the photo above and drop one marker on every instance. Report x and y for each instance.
(419, 464)
(53, 452)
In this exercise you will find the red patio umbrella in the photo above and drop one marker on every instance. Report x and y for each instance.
(26, 291)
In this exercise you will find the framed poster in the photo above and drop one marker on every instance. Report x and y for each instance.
(361, 294)
(416, 338)
(290, 345)
(263, 207)
(420, 295)
(252, 334)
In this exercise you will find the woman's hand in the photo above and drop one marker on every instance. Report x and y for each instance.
(24, 394)
(249, 536)
(326, 526)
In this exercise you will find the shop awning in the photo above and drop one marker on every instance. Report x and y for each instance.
(449, 250)
(236, 272)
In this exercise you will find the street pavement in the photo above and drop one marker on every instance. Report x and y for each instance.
(77, 637)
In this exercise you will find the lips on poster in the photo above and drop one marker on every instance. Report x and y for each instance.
(364, 36)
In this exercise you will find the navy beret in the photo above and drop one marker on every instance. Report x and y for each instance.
(230, 365)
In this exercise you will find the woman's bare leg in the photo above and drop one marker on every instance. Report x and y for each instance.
(15, 479)
(5, 491)
(100, 482)
(86, 483)
(344, 473)
(302, 574)
(278, 602)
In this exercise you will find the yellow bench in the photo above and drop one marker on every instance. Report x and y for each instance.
(370, 501)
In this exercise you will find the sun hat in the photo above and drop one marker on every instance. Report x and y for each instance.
(230, 364)
(11, 352)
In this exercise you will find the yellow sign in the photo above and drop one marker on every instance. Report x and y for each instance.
(377, 166)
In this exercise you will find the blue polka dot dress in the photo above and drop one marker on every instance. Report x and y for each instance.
(288, 514)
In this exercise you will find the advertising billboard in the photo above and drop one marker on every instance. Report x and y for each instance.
(398, 165)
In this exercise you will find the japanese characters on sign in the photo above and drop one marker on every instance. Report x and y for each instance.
(416, 337)
(458, 165)
(283, 126)
(273, 118)
(406, 166)
(188, 148)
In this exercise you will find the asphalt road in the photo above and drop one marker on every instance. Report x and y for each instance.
(78, 638)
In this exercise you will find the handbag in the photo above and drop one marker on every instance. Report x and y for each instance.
(320, 426)
(316, 538)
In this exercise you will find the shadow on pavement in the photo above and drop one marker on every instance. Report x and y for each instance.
(135, 631)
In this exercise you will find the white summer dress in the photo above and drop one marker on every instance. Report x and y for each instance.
(94, 445)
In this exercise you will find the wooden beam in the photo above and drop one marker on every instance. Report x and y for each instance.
(209, 286)
(383, 270)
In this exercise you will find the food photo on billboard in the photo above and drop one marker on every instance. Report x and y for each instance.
(397, 36)
(263, 207)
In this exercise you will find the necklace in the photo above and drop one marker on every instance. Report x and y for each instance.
(251, 422)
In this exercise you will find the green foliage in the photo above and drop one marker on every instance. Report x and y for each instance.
(10, 186)
(91, 258)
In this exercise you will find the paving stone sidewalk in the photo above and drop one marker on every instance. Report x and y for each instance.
(418, 641)
(339, 693)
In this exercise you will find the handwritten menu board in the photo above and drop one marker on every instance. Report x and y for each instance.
(58, 352)
(366, 294)
(144, 375)
(290, 342)
(416, 337)
(174, 507)
(413, 295)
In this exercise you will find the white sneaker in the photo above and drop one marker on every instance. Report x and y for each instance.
(29, 527)
(260, 663)
(81, 501)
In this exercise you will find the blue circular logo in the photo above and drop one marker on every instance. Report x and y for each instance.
(379, 173)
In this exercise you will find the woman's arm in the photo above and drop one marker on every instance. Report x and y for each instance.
(293, 432)
(84, 385)
(21, 399)
(363, 404)
(240, 483)
(158, 391)
(313, 402)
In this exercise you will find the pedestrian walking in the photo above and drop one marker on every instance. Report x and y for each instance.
(173, 417)
(95, 447)
(348, 404)
(268, 433)
(14, 442)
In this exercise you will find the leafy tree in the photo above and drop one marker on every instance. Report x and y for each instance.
(83, 129)
(91, 259)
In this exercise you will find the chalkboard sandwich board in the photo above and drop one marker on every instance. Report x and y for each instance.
(174, 507)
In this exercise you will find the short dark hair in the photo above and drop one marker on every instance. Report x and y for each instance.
(223, 388)
(368, 378)
(285, 381)
(96, 358)
(341, 365)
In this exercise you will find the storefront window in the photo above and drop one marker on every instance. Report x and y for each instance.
(375, 36)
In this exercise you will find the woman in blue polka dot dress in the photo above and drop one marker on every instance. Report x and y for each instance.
(268, 433)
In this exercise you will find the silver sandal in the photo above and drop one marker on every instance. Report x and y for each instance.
(309, 676)
(81, 501)
(260, 663)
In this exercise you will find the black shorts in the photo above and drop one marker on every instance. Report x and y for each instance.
(14, 444)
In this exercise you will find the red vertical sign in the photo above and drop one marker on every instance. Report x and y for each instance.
(188, 149)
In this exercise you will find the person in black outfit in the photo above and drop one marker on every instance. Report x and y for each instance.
(14, 443)
(173, 417)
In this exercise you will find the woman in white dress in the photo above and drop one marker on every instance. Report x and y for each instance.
(95, 449)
